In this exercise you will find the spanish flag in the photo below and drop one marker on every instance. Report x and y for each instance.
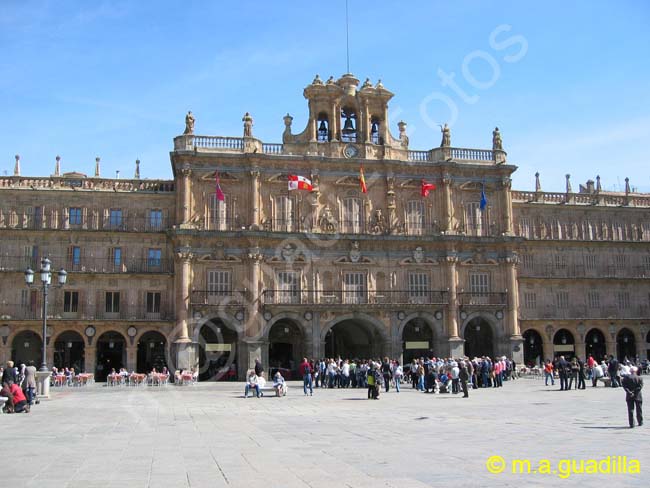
(426, 188)
(362, 181)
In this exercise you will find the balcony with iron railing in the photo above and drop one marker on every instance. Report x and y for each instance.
(578, 271)
(311, 297)
(488, 299)
(581, 312)
(91, 264)
(221, 298)
(56, 221)
(82, 311)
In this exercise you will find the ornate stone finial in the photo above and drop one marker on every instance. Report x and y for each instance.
(379, 85)
(97, 167)
(366, 84)
(402, 133)
(538, 185)
(598, 187)
(189, 124)
(286, 135)
(317, 81)
(248, 125)
(137, 169)
(330, 80)
(497, 143)
(446, 136)
(627, 186)
(17, 166)
(288, 119)
(57, 166)
(568, 184)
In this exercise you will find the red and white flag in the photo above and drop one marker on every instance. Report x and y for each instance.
(300, 183)
(426, 188)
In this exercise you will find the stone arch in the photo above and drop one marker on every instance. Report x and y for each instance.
(26, 345)
(625, 344)
(304, 324)
(409, 336)
(533, 347)
(225, 355)
(111, 353)
(69, 350)
(152, 351)
(289, 340)
(435, 325)
(596, 344)
(564, 343)
(360, 327)
(479, 340)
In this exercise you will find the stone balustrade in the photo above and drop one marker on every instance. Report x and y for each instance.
(84, 183)
(602, 199)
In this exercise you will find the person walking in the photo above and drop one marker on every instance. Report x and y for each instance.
(563, 371)
(386, 373)
(30, 382)
(548, 373)
(581, 375)
(596, 374)
(306, 370)
(612, 369)
(397, 375)
(633, 384)
(463, 375)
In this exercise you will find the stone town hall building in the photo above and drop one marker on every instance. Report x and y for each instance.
(164, 272)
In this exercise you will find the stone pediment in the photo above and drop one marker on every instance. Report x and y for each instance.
(226, 176)
(424, 262)
(478, 259)
(215, 257)
(348, 181)
(278, 178)
(472, 186)
(411, 183)
(348, 260)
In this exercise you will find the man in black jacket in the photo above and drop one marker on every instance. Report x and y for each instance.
(563, 369)
(633, 384)
(612, 369)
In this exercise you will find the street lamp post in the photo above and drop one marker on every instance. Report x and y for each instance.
(46, 280)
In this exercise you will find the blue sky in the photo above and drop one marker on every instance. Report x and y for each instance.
(566, 82)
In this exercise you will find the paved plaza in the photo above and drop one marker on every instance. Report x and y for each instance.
(209, 436)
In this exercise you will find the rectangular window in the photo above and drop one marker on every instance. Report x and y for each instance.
(30, 254)
(74, 258)
(71, 301)
(155, 219)
(153, 302)
(528, 262)
(415, 217)
(646, 263)
(524, 225)
(562, 300)
(418, 287)
(284, 216)
(560, 261)
(593, 299)
(218, 213)
(288, 287)
(530, 300)
(219, 283)
(590, 262)
(112, 302)
(75, 217)
(476, 219)
(115, 257)
(115, 218)
(154, 257)
(479, 284)
(623, 300)
(620, 261)
(355, 289)
(352, 216)
(38, 218)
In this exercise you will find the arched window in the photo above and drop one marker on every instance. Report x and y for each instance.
(323, 128)
(349, 121)
(375, 126)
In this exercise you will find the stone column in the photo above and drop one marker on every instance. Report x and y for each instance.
(43, 384)
(451, 317)
(131, 356)
(447, 219)
(512, 319)
(186, 187)
(90, 358)
(184, 347)
(254, 322)
(255, 198)
(506, 184)
(335, 122)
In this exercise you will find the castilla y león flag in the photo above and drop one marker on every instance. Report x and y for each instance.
(220, 196)
(362, 181)
(426, 188)
(300, 183)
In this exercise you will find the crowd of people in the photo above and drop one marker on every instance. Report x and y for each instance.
(18, 387)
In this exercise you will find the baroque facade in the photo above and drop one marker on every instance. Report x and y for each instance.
(166, 273)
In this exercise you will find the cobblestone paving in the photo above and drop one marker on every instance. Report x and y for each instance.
(209, 436)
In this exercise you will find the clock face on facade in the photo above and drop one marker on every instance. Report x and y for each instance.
(350, 151)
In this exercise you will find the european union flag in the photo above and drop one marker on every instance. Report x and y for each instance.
(483, 198)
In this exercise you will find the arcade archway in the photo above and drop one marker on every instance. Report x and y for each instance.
(69, 351)
(625, 345)
(595, 345)
(152, 352)
(217, 351)
(27, 346)
(417, 340)
(479, 338)
(354, 339)
(285, 347)
(533, 348)
(564, 344)
(111, 354)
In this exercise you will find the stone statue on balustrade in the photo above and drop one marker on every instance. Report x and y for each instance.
(497, 143)
(446, 136)
(189, 124)
(248, 125)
